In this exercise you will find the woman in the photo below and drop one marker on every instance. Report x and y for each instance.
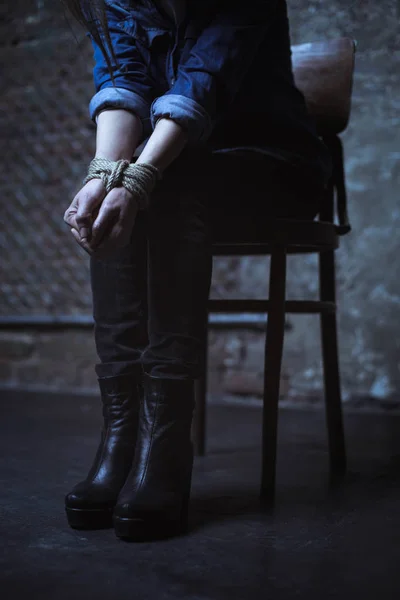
(199, 125)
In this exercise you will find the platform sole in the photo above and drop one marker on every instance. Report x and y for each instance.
(138, 529)
(141, 530)
(84, 518)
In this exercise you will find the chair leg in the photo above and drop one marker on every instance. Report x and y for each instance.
(272, 373)
(330, 354)
(199, 421)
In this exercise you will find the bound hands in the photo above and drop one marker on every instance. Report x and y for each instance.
(101, 221)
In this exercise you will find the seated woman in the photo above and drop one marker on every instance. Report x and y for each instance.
(199, 123)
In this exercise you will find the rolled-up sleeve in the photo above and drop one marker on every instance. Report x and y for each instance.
(134, 87)
(184, 110)
(208, 81)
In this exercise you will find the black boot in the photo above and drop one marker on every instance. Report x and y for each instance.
(153, 503)
(90, 503)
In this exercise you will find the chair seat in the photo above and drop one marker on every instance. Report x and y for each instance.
(256, 238)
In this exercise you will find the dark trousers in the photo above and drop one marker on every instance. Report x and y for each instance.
(150, 298)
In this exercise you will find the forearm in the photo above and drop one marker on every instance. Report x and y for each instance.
(119, 131)
(118, 134)
(164, 145)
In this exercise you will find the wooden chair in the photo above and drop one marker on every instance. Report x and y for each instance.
(323, 72)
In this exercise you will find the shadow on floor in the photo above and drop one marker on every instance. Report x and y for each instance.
(323, 539)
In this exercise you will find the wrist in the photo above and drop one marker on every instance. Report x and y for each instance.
(138, 179)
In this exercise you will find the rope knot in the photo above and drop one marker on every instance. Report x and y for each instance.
(116, 175)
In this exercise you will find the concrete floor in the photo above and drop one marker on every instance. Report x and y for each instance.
(321, 542)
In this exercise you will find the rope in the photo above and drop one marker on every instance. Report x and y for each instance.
(139, 179)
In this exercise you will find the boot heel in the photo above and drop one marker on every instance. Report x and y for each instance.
(79, 518)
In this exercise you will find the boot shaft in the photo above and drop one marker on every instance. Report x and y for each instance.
(164, 451)
(120, 397)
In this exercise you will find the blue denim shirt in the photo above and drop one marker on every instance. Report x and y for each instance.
(224, 73)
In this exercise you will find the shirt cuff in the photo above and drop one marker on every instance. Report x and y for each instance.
(115, 97)
(186, 112)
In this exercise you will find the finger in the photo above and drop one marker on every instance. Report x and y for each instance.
(84, 216)
(83, 220)
(122, 225)
(93, 189)
(118, 233)
(70, 213)
(103, 224)
(73, 218)
(69, 218)
(83, 244)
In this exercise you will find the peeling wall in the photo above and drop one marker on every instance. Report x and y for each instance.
(367, 261)
(368, 266)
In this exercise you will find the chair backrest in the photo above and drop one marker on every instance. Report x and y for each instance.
(323, 71)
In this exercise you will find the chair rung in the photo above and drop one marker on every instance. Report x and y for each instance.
(262, 306)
